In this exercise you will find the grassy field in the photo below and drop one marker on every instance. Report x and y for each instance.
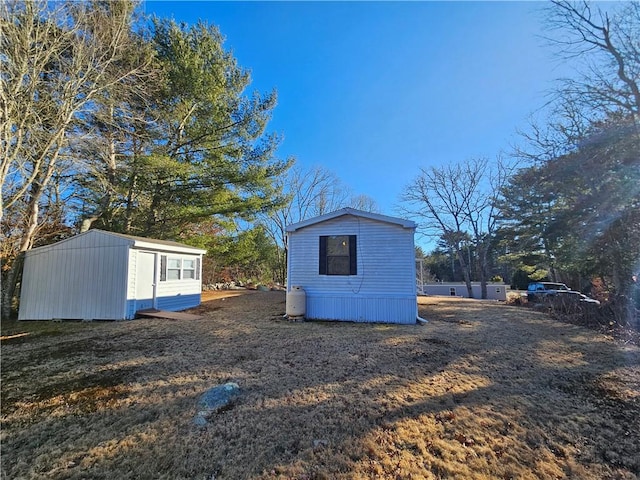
(483, 391)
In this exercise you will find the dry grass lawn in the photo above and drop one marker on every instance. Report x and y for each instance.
(483, 391)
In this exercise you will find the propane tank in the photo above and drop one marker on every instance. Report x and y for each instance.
(296, 302)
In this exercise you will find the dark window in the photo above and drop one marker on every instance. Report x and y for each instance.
(338, 255)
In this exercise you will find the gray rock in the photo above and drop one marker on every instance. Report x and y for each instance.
(214, 400)
(200, 421)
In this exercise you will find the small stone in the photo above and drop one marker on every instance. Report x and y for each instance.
(216, 399)
(200, 421)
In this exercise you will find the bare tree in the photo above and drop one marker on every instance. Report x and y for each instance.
(364, 203)
(56, 60)
(483, 211)
(605, 46)
(437, 198)
(600, 42)
(457, 204)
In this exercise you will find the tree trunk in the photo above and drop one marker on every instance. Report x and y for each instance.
(465, 271)
(483, 281)
(483, 253)
(86, 223)
(128, 216)
(282, 259)
(28, 236)
(9, 283)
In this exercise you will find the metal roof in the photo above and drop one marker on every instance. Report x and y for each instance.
(142, 241)
(132, 240)
(356, 213)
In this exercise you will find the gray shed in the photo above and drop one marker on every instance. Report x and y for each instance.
(100, 275)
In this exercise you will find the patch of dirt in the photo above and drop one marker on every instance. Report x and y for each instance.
(483, 390)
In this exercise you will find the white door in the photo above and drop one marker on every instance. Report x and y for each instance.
(145, 280)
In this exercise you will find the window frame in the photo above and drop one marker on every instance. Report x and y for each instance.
(166, 260)
(325, 266)
(192, 269)
(174, 269)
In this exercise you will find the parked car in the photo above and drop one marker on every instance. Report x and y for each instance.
(585, 299)
(539, 291)
(536, 291)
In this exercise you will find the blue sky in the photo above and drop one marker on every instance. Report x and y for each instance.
(375, 90)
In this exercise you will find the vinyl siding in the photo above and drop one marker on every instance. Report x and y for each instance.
(173, 288)
(80, 278)
(384, 287)
(171, 304)
(179, 302)
(93, 276)
(131, 279)
(174, 295)
(171, 295)
(362, 308)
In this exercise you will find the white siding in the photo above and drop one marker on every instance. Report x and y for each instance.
(384, 288)
(495, 291)
(131, 274)
(83, 277)
(169, 294)
(171, 288)
(94, 276)
(141, 280)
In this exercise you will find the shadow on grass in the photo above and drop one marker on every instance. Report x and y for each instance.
(484, 391)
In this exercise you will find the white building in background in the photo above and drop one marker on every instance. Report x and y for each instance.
(495, 291)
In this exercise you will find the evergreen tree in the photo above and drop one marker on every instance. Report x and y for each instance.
(207, 153)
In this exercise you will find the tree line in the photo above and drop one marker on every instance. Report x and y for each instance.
(147, 127)
(134, 125)
(144, 126)
(565, 206)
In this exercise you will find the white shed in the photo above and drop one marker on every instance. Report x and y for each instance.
(100, 275)
(354, 266)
